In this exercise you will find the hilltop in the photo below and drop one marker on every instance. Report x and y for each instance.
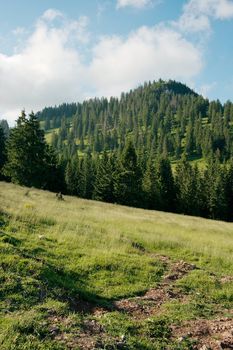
(160, 117)
(79, 274)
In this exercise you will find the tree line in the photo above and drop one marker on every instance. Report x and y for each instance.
(124, 176)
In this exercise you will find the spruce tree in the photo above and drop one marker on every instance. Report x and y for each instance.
(2, 151)
(53, 171)
(88, 173)
(229, 191)
(29, 159)
(215, 183)
(70, 178)
(149, 185)
(103, 187)
(189, 190)
(4, 125)
(165, 185)
(127, 179)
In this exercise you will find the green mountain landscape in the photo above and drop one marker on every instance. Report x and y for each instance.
(95, 249)
(157, 147)
(116, 175)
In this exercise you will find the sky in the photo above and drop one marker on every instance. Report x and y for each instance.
(55, 51)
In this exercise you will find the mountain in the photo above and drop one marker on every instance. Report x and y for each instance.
(133, 151)
(160, 117)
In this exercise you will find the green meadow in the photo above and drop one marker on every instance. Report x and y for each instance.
(79, 274)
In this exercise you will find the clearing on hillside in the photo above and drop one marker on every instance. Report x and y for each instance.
(78, 274)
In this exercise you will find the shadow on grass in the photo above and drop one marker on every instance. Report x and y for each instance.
(69, 287)
(6, 238)
(32, 279)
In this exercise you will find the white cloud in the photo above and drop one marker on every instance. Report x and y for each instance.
(51, 14)
(198, 13)
(133, 3)
(45, 71)
(50, 69)
(149, 53)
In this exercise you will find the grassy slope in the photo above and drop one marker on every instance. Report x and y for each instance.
(65, 266)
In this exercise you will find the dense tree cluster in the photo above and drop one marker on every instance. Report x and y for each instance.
(120, 151)
(119, 178)
(163, 117)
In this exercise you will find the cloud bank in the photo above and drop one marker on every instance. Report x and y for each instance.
(197, 14)
(51, 67)
(149, 53)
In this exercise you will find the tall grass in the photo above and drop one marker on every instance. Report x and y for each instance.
(54, 254)
(93, 226)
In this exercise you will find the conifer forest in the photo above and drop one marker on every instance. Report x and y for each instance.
(161, 146)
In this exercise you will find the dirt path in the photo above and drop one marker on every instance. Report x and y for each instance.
(149, 304)
(206, 334)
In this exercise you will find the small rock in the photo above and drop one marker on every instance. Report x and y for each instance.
(122, 337)
(54, 330)
(180, 339)
(204, 347)
(227, 344)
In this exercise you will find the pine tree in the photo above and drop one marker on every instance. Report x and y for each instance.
(103, 188)
(149, 185)
(215, 183)
(189, 188)
(2, 150)
(165, 185)
(127, 179)
(28, 157)
(70, 178)
(4, 125)
(229, 191)
(190, 143)
(178, 147)
(53, 171)
(88, 173)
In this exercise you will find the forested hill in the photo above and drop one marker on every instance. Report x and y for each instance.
(161, 117)
(120, 150)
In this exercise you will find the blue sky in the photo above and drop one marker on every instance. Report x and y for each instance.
(54, 51)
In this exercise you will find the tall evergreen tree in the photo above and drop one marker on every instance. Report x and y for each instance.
(2, 150)
(229, 191)
(188, 186)
(215, 190)
(72, 176)
(165, 185)
(103, 188)
(4, 125)
(149, 185)
(88, 173)
(29, 159)
(127, 184)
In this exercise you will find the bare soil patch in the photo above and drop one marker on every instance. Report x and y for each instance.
(209, 334)
(148, 304)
